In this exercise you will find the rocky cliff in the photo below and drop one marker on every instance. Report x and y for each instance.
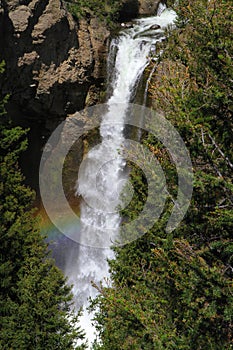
(54, 65)
(51, 61)
(135, 8)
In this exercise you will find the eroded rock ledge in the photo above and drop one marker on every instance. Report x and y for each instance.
(51, 61)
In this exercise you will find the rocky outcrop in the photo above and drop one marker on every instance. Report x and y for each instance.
(51, 61)
(134, 8)
(53, 64)
(148, 7)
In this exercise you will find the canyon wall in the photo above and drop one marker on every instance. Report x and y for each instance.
(55, 65)
(51, 61)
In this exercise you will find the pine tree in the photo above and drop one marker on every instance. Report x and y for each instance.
(35, 303)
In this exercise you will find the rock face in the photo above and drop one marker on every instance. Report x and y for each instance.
(54, 65)
(51, 61)
(148, 7)
(134, 8)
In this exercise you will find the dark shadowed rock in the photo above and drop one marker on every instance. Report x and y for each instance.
(133, 8)
(129, 10)
(51, 62)
(155, 27)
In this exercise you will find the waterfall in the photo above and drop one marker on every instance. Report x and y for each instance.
(129, 54)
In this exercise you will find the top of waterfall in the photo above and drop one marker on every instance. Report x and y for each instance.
(164, 18)
(148, 28)
(162, 7)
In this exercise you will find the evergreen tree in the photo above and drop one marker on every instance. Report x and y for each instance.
(35, 303)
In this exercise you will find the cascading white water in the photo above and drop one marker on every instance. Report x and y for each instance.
(129, 54)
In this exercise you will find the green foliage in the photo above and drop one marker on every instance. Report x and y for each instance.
(35, 302)
(105, 10)
(175, 291)
(174, 300)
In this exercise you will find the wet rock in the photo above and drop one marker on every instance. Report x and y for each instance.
(155, 27)
(127, 25)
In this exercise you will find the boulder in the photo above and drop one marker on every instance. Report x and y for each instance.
(154, 27)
